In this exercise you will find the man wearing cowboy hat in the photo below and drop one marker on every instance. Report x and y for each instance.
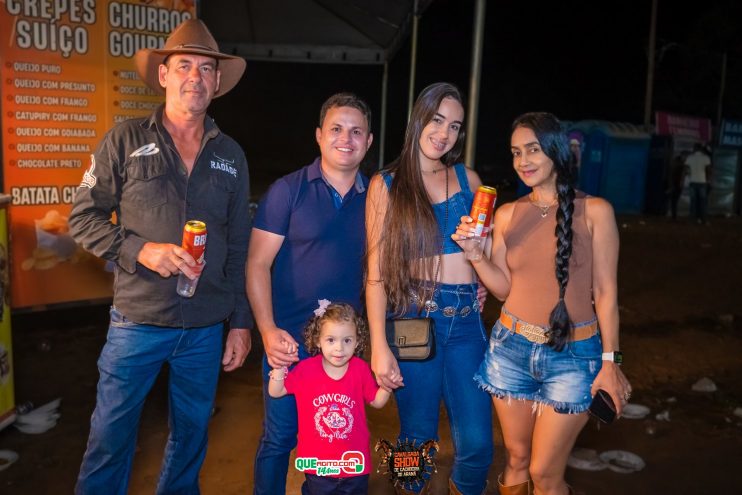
(155, 174)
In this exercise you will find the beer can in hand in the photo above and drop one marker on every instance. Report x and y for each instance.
(482, 209)
(194, 241)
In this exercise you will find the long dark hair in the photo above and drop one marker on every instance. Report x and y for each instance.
(554, 143)
(411, 237)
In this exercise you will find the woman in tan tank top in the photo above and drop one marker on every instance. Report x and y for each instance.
(554, 259)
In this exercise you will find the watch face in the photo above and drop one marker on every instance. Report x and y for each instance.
(615, 356)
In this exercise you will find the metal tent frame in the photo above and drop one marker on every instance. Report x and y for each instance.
(335, 32)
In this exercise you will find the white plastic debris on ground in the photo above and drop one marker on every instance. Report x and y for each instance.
(7, 457)
(704, 385)
(622, 461)
(39, 420)
(619, 461)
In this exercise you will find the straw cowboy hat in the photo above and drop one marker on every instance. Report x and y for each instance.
(192, 36)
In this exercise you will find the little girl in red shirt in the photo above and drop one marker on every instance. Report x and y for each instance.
(331, 389)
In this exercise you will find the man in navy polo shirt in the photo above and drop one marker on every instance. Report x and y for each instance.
(307, 244)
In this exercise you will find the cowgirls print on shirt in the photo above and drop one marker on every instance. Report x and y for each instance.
(334, 417)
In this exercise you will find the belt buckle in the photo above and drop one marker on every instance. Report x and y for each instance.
(533, 333)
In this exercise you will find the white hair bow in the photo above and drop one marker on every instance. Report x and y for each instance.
(323, 303)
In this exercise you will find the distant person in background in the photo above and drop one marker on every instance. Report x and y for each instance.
(575, 149)
(699, 169)
(678, 173)
(156, 173)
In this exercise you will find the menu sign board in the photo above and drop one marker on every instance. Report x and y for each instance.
(66, 77)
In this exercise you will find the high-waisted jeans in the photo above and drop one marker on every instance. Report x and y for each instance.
(460, 343)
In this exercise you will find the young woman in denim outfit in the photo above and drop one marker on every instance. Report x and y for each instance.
(553, 261)
(415, 269)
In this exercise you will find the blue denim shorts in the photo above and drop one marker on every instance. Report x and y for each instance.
(517, 368)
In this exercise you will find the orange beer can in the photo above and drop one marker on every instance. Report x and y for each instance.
(482, 209)
(194, 239)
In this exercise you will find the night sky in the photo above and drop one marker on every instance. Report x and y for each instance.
(579, 60)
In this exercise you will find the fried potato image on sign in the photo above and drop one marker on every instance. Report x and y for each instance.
(53, 223)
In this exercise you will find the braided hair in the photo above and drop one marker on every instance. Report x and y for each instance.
(554, 143)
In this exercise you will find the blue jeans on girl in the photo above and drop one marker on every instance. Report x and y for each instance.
(460, 343)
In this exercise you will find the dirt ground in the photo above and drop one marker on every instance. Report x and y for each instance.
(680, 297)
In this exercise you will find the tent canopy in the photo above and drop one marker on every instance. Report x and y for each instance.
(312, 31)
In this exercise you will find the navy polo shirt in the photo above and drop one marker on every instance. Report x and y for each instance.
(324, 242)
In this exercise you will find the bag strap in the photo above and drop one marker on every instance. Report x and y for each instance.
(440, 253)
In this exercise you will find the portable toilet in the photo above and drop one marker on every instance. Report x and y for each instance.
(726, 175)
(614, 163)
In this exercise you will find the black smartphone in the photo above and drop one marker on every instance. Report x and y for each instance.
(602, 407)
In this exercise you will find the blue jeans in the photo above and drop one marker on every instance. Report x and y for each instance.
(698, 200)
(460, 343)
(129, 363)
(280, 427)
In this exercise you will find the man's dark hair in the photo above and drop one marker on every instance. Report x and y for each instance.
(345, 100)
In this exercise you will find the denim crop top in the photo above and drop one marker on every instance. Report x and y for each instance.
(459, 205)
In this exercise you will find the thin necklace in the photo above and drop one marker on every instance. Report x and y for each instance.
(435, 171)
(544, 208)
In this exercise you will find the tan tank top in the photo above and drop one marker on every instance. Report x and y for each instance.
(531, 252)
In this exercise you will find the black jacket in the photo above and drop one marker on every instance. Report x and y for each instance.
(137, 174)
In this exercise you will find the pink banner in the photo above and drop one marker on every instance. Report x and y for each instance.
(673, 124)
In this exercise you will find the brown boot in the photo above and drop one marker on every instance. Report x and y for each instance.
(524, 488)
(453, 489)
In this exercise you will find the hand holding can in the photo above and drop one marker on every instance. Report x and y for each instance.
(194, 241)
(482, 209)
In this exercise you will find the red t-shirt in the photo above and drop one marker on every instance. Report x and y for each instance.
(332, 416)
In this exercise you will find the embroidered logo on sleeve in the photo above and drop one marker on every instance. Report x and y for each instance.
(146, 150)
(88, 179)
(219, 163)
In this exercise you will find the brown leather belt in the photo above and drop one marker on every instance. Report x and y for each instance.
(537, 335)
